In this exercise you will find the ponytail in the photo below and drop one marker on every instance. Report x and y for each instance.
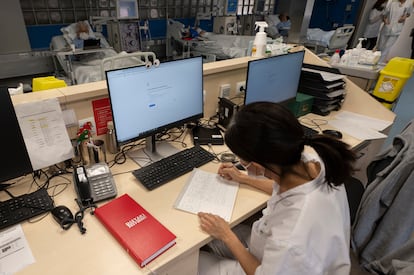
(336, 155)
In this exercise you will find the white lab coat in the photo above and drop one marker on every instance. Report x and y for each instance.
(374, 24)
(305, 230)
(390, 32)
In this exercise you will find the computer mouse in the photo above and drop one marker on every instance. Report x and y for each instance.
(333, 133)
(62, 214)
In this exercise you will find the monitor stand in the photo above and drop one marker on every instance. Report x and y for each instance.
(153, 151)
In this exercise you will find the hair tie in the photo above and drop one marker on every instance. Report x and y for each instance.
(307, 140)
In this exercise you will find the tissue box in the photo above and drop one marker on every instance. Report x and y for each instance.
(46, 83)
(302, 105)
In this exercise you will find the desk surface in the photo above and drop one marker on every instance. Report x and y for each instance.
(68, 252)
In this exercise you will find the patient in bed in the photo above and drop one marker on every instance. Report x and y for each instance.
(82, 34)
(192, 33)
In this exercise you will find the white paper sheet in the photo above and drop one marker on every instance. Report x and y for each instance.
(15, 253)
(208, 192)
(326, 76)
(364, 121)
(357, 131)
(44, 132)
(359, 126)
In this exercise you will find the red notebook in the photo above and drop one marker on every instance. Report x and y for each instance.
(143, 237)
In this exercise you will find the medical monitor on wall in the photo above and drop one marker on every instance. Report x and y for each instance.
(15, 161)
(127, 9)
(146, 101)
(274, 79)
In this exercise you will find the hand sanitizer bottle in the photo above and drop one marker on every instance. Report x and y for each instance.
(259, 44)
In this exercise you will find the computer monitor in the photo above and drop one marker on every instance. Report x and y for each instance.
(126, 9)
(274, 79)
(15, 161)
(146, 101)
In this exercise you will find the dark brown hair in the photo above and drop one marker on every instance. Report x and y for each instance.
(268, 133)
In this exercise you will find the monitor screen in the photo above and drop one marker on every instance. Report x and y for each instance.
(274, 79)
(146, 101)
(127, 9)
(15, 161)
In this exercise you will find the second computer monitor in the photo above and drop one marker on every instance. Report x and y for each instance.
(274, 79)
(15, 161)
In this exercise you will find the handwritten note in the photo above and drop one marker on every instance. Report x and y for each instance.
(208, 192)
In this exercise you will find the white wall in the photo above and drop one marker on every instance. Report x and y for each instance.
(12, 28)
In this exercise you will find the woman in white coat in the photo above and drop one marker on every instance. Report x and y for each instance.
(305, 228)
(374, 23)
(395, 14)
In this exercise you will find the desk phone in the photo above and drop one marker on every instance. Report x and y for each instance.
(94, 183)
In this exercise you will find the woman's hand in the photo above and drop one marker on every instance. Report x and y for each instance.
(230, 172)
(220, 229)
(214, 226)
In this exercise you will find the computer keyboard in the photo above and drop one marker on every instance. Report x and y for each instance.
(24, 207)
(171, 167)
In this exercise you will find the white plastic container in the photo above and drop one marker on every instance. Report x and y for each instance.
(259, 44)
(335, 59)
(344, 59)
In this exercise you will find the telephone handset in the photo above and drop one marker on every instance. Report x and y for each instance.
(82, 186)
(94, 183)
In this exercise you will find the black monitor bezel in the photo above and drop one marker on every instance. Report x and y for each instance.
(15, 155)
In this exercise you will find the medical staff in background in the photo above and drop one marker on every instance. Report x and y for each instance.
(374, 24)
(395, 14)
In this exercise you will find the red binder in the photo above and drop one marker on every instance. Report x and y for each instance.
(143, 237)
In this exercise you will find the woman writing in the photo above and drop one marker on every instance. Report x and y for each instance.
(305, 228)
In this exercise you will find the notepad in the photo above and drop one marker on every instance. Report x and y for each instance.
(208, 192)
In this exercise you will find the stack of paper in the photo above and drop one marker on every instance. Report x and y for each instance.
(327, 88)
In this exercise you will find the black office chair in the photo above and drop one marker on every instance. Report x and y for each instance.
(354, 190)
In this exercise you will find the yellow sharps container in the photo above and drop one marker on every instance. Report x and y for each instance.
(46, 83)
(392, 80)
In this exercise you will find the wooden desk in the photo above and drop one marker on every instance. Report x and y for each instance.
(68, 252)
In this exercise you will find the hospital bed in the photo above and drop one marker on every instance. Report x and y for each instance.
(320, 41)
(84, 66)
(209, 45)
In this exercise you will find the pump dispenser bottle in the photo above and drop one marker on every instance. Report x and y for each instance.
(259, 44)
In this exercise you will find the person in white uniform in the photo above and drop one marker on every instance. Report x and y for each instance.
(305, 228)
(395, 14)
(374, 23)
